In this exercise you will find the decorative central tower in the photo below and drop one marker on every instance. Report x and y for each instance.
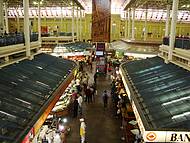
(101, 19)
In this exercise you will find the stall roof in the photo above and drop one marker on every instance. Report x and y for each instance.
(73, 47)
(25, 88)
(132, 48)
(163, 93)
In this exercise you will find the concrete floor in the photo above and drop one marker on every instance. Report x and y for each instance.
(102, 125)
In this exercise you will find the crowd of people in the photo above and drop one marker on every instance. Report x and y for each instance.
(123, 110)
(85, 92)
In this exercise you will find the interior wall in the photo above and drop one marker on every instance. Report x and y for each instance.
(115, 27)
(156, 30)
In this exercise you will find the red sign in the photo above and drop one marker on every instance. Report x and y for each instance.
(29, 136)
(151, 136)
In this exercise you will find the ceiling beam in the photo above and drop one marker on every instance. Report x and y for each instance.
(127, 4)
(79, 4)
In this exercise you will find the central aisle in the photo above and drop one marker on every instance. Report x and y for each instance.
(102, 125)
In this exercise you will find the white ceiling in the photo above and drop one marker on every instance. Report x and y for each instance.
(116, 3)
(158, 4)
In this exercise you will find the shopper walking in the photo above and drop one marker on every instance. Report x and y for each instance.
(74, 95)
(80, 101)
(95, 77)
(105, 99)
(82, 130)
(88, 95)
(94, 91)
(85, 83)
(75, 108)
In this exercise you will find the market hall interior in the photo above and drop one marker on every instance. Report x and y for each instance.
(94, 71)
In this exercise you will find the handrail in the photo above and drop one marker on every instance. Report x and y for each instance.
(183, 43)
(13, 39)
(57, 34)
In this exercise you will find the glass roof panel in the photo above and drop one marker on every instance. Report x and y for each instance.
(24, 90)
(164, 89)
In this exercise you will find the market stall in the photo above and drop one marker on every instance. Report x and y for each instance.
(61, 108)
(123, 108)
(160, 101)
(57, 122)
(77, 51)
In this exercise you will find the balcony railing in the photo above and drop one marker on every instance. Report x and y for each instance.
(58, 34)
(13, 39)
(183, 43)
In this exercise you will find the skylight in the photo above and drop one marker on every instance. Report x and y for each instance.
(181, 115)
(7, 114)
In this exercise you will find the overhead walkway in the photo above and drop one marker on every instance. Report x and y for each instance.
(57, 38)
(13, 48)
(13, 39)
(180, 42)
(26, 91)
(180, 54)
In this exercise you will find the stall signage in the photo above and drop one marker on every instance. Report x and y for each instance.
(166, 136)
(154, 136)
(178, 137)
(151, 136)
(100, 47)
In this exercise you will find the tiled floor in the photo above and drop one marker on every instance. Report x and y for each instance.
(102, 125)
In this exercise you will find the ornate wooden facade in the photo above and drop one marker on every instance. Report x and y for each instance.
(101, 19)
